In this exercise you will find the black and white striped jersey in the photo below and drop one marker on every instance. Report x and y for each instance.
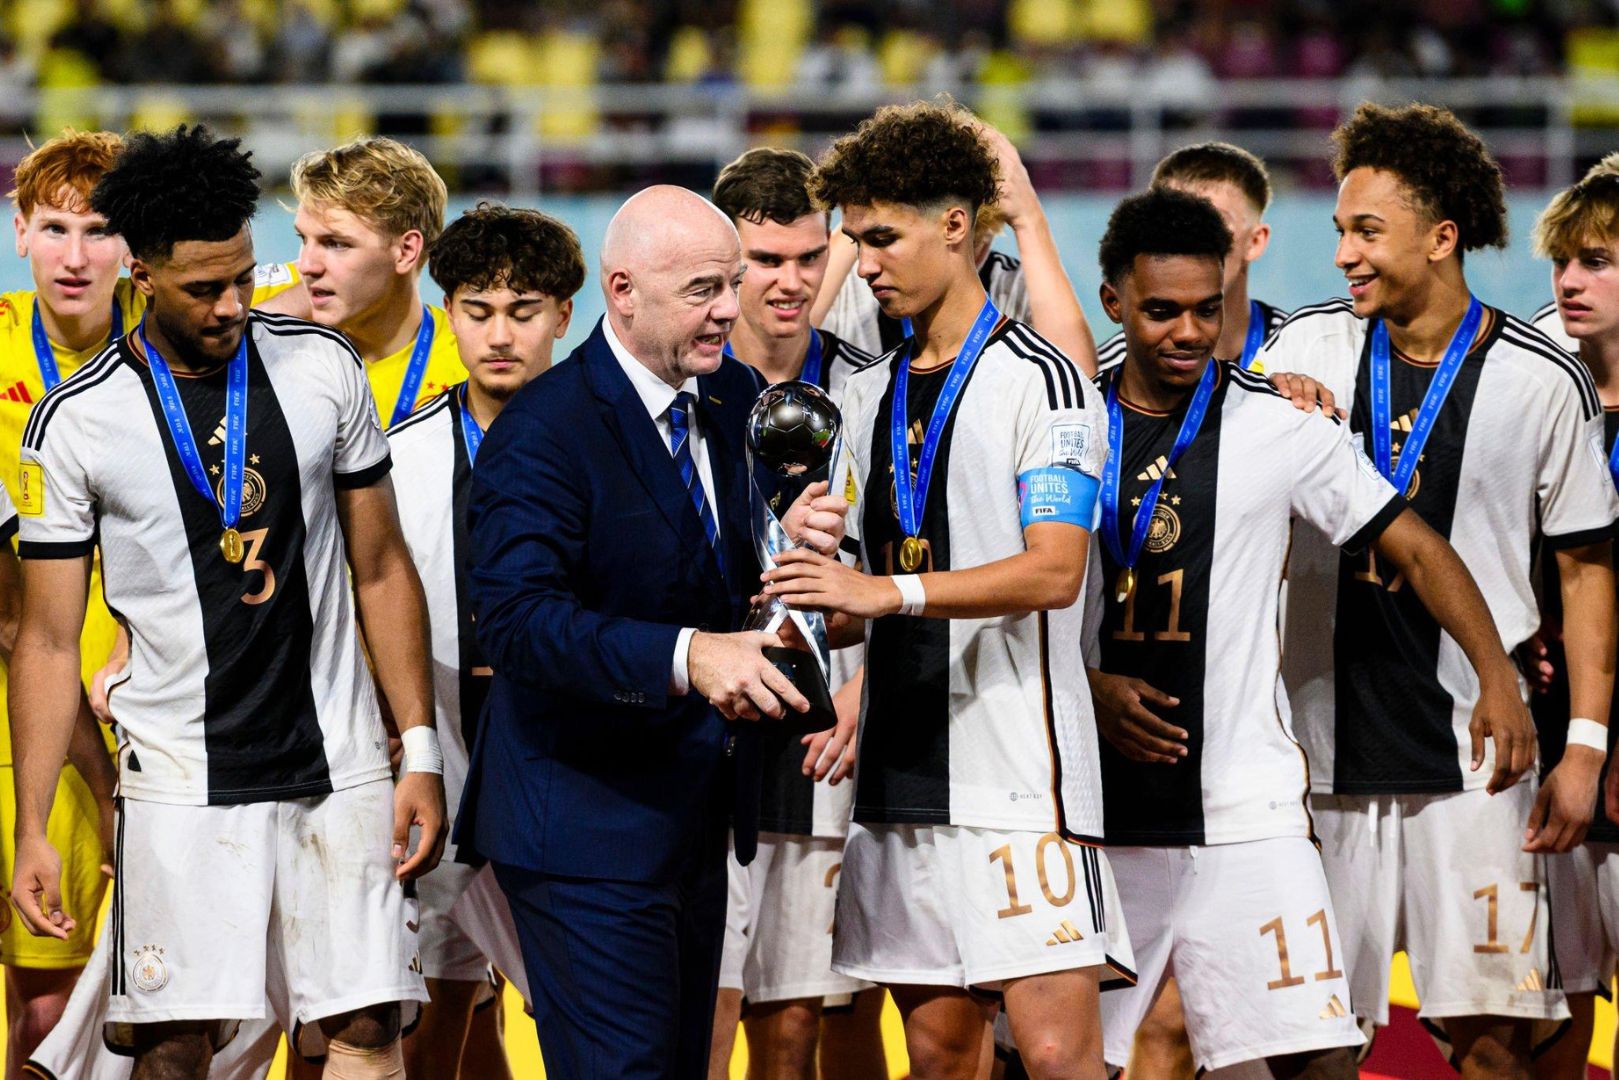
(433, 476)
(856, 317)
(976, 722)
(1550, 323)
(1110, 353)
(1381, 696)
(246, 681)
(1200, 623)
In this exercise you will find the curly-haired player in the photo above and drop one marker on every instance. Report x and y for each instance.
(1434, 837)
(978, 757)
(508, 277)
(239, 503)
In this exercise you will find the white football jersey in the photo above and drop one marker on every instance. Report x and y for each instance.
(245, 681)
(977, 722)
(1382, 697)
(1200, 622)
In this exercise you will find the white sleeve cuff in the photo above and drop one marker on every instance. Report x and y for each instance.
(679, 678)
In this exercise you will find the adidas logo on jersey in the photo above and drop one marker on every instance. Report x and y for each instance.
(1334, 1009)
(1157, 469)
(19, 393)
(1067, 933)
(1403, 423)
(1531, 982)
(218, 437)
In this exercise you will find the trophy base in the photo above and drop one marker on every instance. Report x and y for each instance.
(801, 668)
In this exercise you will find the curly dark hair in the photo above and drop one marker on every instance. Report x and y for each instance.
(1446, 168)
(184, 184)
(1161, 221)
(766, 184)
(919, 154)
(493, 247)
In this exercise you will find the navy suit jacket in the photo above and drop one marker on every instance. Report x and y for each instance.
(587, 560)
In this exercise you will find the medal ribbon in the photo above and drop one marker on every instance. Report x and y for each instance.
(406, 403)
(1422, 427)
(913, 501)
(1190, 425)
(49, 373)
(471, 433)
(185, 444)
(1256, 334)
(1613, 463)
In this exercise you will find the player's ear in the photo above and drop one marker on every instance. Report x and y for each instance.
(21, 224)
(140, 275)
(1259, 241)
(1111, 303)
(1443, 241)
(409, 252)
(564, 317)
(958, 226)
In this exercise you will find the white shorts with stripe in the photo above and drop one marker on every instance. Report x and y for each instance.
(940, 905)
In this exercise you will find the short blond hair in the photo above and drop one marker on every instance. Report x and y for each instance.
(385, 183)
(1587, 211)
(63, 171)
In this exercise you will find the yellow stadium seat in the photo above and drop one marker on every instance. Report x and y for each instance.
(30, 23)
(1000, 99)
(1042, 23)
(503, 58)
(689, 55)
(1126, 21)
(158, 112)
(903, 55)
(566, 63)
(1593, 67)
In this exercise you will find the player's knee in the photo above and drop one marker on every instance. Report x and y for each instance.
(1337, 1064)
(371, 1028)
(173, 1051)
(1494, 1058)
(33, 1020)
(936, 1052)
(1061, 1056)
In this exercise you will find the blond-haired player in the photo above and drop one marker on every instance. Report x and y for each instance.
(367, 212)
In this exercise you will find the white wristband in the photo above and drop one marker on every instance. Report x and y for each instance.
(422, 753)
(912, 598)
(1584, 732)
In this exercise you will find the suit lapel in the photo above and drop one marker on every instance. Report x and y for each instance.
(649, 456)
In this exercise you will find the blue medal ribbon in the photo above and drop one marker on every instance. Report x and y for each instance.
(1256, 334)
(911, 501)
(1422, 427)
(49, 373)
(1190, 424)
(406, 403)
(185, 444)
(1613, 463)
(471, 433)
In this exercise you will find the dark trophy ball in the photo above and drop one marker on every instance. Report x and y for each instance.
(793, 427)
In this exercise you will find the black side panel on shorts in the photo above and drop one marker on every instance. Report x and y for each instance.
(1160, 634)
(1393, 732)
(261, 729)
(904, 773)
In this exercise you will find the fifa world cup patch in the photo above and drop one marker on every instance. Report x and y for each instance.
(31, 489)
(1070, 444)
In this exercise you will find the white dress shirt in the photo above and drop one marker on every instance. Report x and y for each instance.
(657, 396)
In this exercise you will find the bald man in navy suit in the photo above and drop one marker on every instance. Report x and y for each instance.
(613, 563)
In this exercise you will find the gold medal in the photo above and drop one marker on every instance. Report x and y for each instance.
(230, 546)
(1126, 583)
(910, 554)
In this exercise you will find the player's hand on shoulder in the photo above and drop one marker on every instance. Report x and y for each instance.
(1307, 393)
(1534, 659)
(817, 518)
(419, 802)
(1502, 716)
(811, 581)
(117, 660)
(36, 889)
(732, 672)
(1125, 719)
(1565, 804)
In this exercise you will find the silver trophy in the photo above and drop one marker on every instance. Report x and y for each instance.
(794, 429)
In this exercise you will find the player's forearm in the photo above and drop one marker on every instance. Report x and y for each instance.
(1054, 309)
(87, 753)
(42, 699)
(393, 614)
(1044, 580)
(1589, 633)
(1442, 581)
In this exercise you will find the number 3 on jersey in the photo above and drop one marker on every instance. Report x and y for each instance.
(254, 539)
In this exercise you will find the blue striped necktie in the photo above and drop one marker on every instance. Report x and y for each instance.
(680, 446)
